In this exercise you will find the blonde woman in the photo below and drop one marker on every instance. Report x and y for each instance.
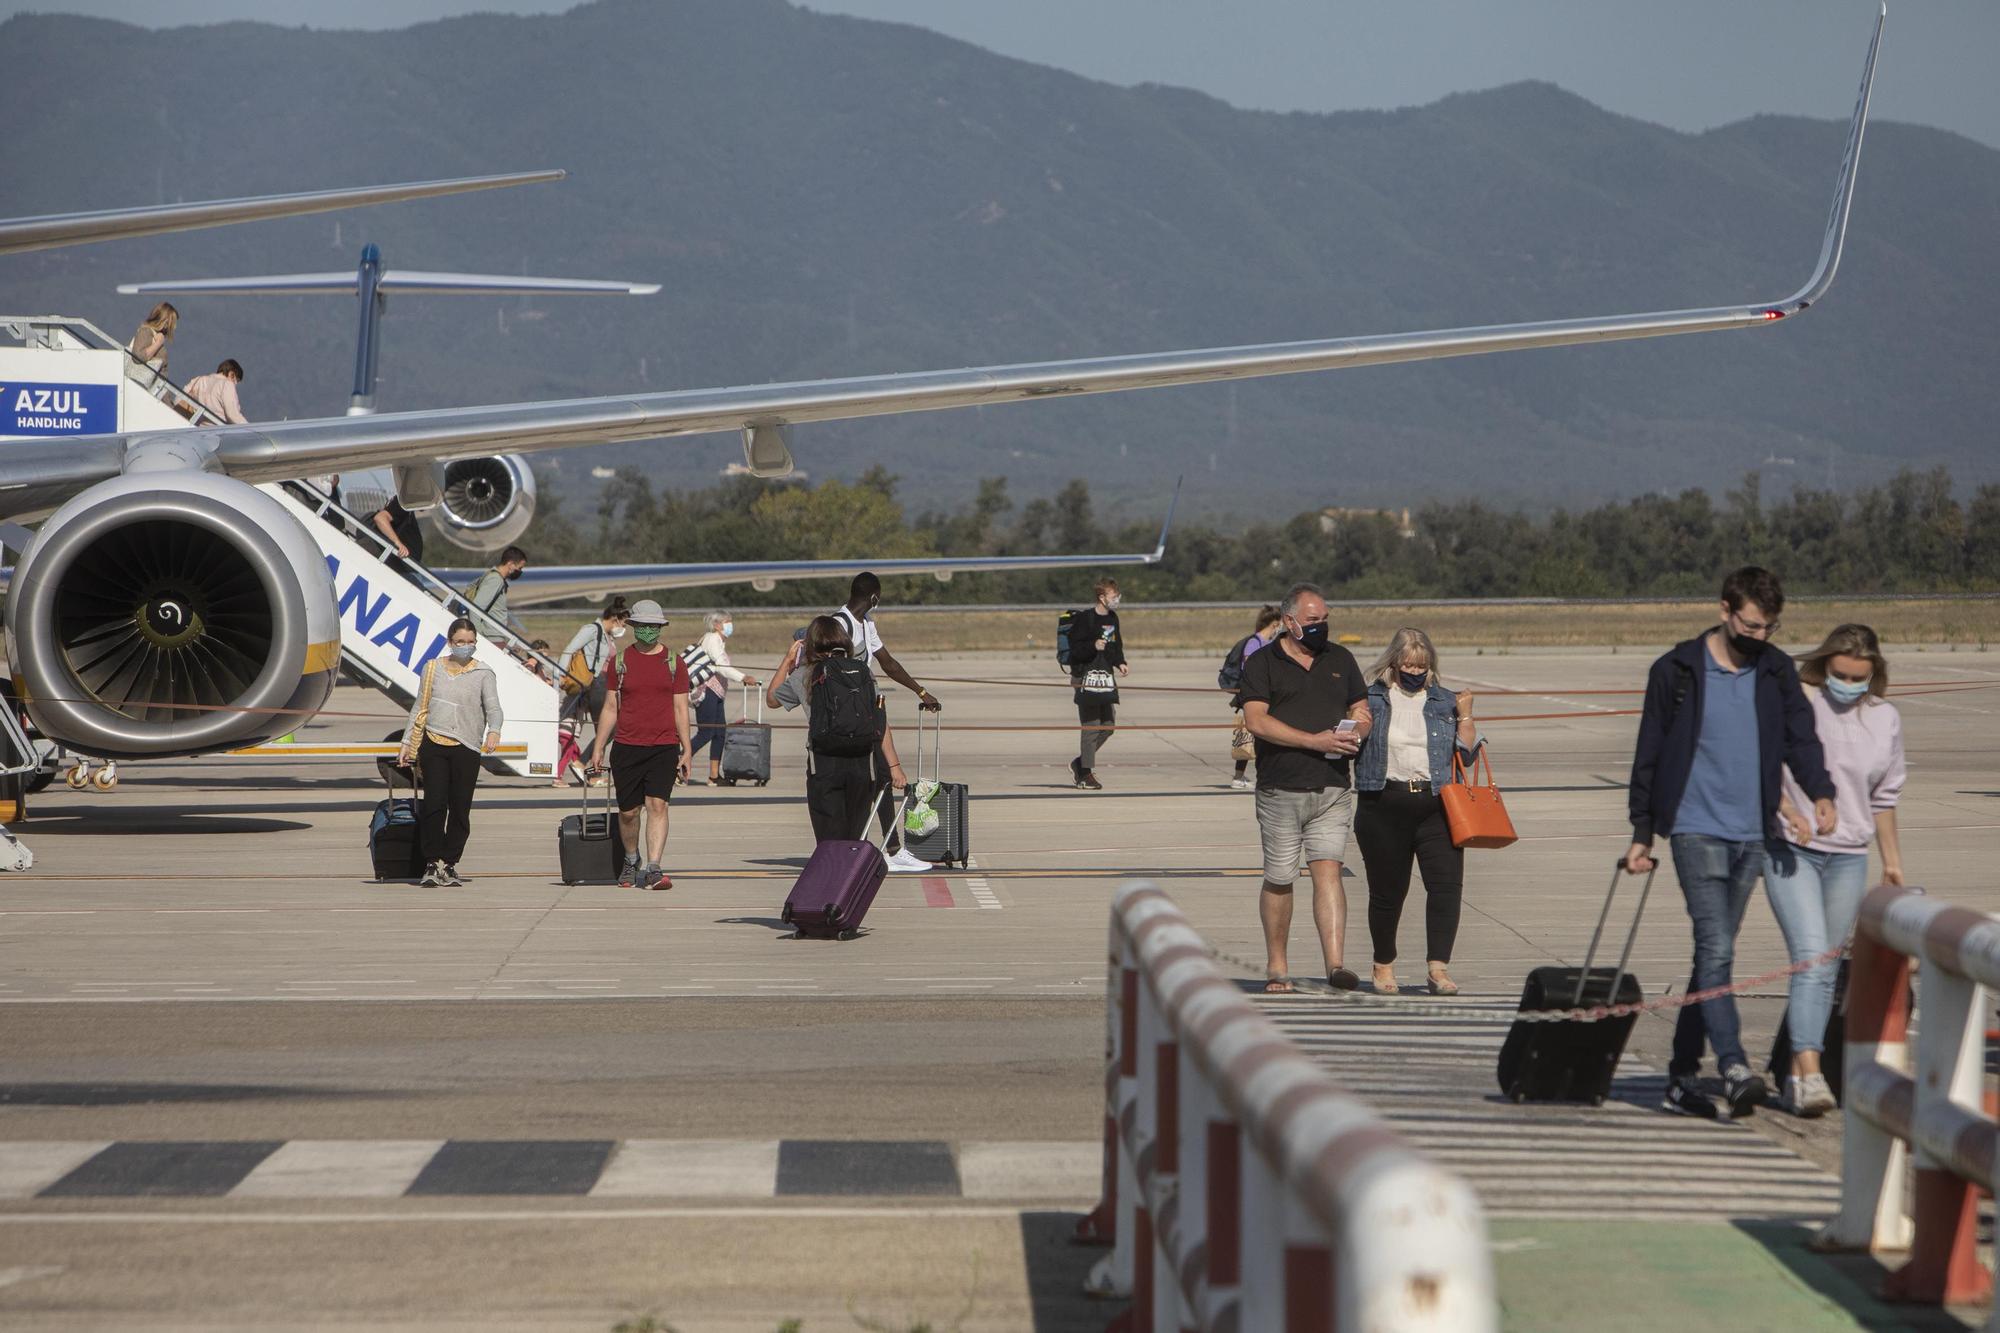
(1815, 880)
(1399, 816)
(149, 344)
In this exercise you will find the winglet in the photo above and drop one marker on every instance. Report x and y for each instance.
(1160, 551)
(1843, 194)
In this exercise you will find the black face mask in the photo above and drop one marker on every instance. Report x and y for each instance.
(1747, 648)
(1312, 638)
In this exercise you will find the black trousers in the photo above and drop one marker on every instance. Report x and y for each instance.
(444, 816)
(839, 790)
(1395, 827)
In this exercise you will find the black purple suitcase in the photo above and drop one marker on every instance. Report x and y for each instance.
(837, 887)
(746, 745)
(590, 846)
(1568, 1060)
(949, 842)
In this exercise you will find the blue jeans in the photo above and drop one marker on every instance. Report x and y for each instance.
(711, 711)
(1717, 878)
(1815, 896)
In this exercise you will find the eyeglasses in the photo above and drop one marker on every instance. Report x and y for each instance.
(1757, 627)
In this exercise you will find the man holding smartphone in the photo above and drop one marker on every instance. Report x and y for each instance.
(1305, 703)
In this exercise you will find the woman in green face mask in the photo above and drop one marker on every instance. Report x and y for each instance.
(1815, 881)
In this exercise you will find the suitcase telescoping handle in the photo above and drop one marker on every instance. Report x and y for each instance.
(875, 804)
(746, 705)
(1625, 957)
(937, 747)
(611, 815)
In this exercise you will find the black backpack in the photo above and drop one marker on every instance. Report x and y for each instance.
(1230, 677)
(843, 715)
(1063, 625)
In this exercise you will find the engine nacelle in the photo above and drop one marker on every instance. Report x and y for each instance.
(487, 503)
(171, 613)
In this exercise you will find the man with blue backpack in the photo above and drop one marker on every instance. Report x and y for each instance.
(1242, 747)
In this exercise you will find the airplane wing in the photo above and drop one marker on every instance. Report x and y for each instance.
(396, 281)
(556, 583)
(764, 413)
(116, 224)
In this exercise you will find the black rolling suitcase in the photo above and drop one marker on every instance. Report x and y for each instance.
(1568, 1060)
(393, 847)
(746, 745)
(589, 845)
(949, 842)
(1832, 1060)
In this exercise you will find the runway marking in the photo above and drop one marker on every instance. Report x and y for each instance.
(1432, 1077)
(746, 1169)
(937, 1211)
(937, 893)
(981, 891)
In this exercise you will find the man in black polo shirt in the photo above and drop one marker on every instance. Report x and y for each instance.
(1296, 696)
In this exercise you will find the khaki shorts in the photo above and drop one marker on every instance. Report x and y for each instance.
(1300, 827)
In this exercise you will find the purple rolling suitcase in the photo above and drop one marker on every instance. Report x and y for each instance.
(836, 889)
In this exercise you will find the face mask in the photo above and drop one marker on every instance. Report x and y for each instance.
(728, 630)
(646, 634)
(1845, 691)
(1746, 647)
(462, 652)
(1413, 681)
(619, 631)
(1312, 638)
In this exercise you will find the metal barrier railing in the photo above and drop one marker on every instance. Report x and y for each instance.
(1242, 1188)
(1934, 1112)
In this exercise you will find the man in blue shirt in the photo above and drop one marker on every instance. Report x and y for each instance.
(1723, 716)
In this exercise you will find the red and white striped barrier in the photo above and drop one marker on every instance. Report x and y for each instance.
(1243, 1190)
(1935, 1109)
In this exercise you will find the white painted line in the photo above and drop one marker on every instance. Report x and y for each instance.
(13, 1276)
(544, 1216)
(28, 1168)
(338, 1169)
(1030, 1170)
(691, 1169)
(981, 891)
(947, 978)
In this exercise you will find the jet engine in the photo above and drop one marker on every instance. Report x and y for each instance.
(171, 613)
(487, 503)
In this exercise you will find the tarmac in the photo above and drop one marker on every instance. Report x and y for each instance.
(243, 1085)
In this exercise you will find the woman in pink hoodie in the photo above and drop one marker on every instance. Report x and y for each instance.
(1816, 881)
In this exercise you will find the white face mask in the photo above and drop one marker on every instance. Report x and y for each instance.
(728, 629)
(620, 631)
(462, 652)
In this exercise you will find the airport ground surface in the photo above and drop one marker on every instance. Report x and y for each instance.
(241, 1085)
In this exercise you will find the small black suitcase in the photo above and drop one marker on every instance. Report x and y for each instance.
(949, 842)
(590, 846)
(1570, 1060)
(394, 850)
(1832, 1061)
(746, 745)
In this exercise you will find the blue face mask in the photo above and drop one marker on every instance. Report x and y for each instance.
(1414, 681)
(728, 629)
(1845, 691)
(462, 652)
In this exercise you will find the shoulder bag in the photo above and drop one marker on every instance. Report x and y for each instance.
(1476, 814)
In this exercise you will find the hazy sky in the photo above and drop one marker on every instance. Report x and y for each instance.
(1691, 64)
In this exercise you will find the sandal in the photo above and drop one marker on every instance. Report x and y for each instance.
(1388, 987)
(1275, 984)
(1441, 983)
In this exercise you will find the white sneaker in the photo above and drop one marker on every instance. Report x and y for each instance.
(904, 863)
(1240, 784)
(1809, 1096)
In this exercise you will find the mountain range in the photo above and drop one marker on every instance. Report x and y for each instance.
(825, 196)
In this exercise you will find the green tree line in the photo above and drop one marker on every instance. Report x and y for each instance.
(1909, 534)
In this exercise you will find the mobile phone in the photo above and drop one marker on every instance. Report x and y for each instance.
(1348, 726)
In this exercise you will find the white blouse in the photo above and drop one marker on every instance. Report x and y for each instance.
(1409, 738)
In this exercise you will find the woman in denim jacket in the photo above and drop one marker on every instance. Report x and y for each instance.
(1400, 816)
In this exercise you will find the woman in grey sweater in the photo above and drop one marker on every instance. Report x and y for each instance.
(455, 719)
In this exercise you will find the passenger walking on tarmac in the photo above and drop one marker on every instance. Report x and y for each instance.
(842, 780)
(1815, 880)
(1096, 665)
(455, 719)
(217, 393)
(1723, 716)
(149, 345)
(583, 660)
(489, 595)
(857, 617)
(711, 708)
(1307, 706)
(1399, 817)
(1269, 626)
(646, 703)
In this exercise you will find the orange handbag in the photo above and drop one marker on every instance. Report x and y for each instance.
(1477, 815)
